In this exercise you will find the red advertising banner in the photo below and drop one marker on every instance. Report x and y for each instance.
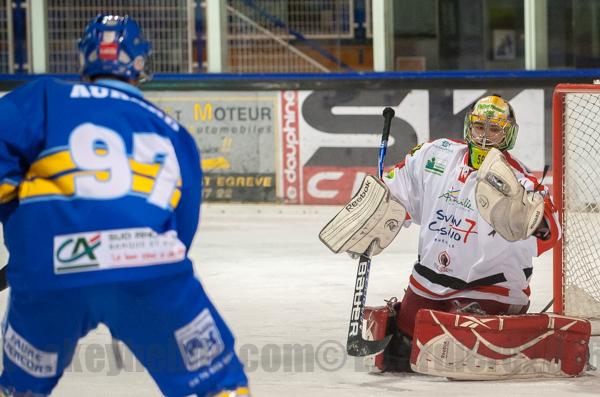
(332, 185)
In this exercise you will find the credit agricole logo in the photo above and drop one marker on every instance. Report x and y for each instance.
(78, 252)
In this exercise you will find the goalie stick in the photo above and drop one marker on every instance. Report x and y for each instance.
(3, 279)
(356, 345)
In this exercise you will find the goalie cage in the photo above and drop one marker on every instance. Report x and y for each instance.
(576, 185)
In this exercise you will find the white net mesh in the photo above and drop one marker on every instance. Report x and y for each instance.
(581, 204)
(287, 36)
(167, 24)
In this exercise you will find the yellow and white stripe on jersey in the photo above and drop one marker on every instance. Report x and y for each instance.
(54, 175)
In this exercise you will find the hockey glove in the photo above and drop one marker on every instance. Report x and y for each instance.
(503, 202)
(371, 215)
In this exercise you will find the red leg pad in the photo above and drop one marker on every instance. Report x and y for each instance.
(474, 347)
(376, 327)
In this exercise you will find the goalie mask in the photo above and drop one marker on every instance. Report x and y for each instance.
(490, 123)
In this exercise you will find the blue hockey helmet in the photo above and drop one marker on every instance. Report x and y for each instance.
(112, 45)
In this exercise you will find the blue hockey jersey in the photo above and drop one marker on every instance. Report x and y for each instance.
(96, 185)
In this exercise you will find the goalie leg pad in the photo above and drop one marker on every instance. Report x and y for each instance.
(377, 322)
(503, 202)
(472, 347)
(371, 215)
(380, 322)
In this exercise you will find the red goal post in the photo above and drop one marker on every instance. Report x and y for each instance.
(576, 186)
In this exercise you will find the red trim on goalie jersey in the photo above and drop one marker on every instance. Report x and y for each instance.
(400, 165)
(488, 289)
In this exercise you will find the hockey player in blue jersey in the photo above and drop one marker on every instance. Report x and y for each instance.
(99, 196)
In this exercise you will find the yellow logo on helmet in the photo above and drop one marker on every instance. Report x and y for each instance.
(493, 109)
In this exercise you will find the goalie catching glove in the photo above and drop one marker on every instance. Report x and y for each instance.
(372, 215)
(503, 202)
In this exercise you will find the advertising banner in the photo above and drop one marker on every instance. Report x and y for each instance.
(330, 138)
(315, 146)
(235, 132)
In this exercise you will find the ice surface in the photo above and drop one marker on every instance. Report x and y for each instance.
(278, 286)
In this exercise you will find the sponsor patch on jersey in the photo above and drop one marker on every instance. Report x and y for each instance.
(452, 197)
(199, 341)
(113, 249)
(451, 229)
(443, 262)
(443, 145)
(435, 166)
(35, 362)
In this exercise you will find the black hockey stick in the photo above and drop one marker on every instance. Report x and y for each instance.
(3, 279)
(356, 345)
(545, 309)
(388, 115)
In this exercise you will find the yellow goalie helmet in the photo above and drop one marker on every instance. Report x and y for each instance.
(490, 123)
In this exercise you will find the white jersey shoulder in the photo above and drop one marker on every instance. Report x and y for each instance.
(443, 147)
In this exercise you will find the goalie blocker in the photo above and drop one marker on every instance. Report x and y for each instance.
(371, 215)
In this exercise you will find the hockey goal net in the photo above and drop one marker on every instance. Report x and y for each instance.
(576, 180)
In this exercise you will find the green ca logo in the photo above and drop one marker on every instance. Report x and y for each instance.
(75, 249)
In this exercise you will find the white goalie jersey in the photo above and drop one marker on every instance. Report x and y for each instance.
(460, 255)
